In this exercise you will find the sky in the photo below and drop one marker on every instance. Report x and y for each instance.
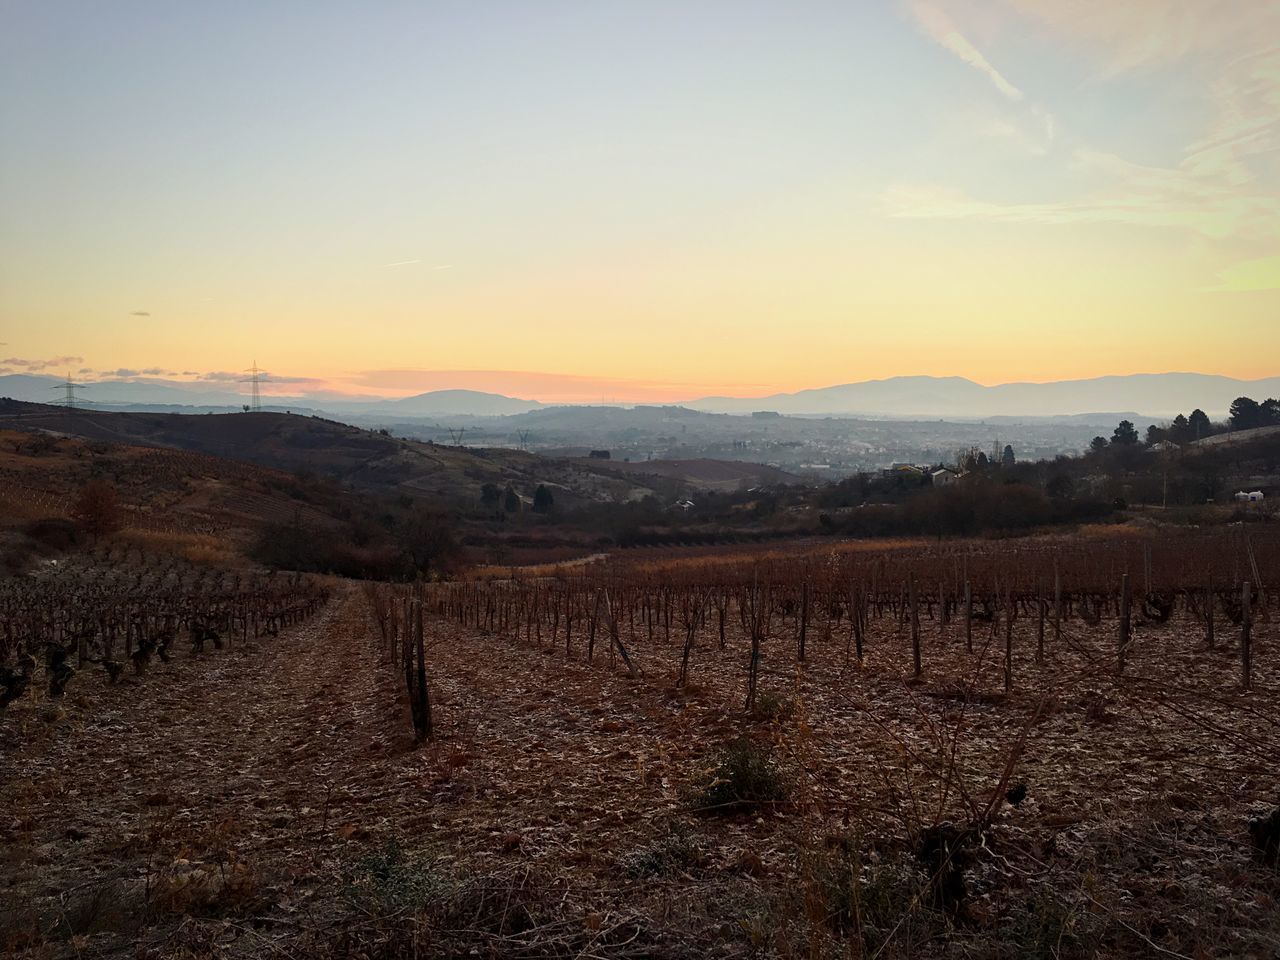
(576, 201)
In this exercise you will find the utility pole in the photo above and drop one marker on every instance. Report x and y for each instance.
(69, 389)
(255, 378)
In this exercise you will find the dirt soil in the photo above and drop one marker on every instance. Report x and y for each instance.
(237, 802)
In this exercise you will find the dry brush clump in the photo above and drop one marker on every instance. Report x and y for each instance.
(743, 775)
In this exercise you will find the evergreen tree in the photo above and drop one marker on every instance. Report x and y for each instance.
(511, 501)
(1245, 414)
(1199, 425)
(1125, 434)
(542, 500)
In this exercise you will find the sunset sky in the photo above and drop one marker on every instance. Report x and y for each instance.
(639, 200)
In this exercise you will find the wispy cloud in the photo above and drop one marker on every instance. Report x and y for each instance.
(407, 263)
(1225, 186)
(1262, 273)
(140, 313)
(938, 26)
(1030, 124)
(34, 366)
(1115, 191)
(1127, 37)
(548, 387)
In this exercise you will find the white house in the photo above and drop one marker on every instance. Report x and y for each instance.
(1256, 496)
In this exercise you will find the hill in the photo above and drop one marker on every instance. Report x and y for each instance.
(723, 475)
(312, 446)
(1155, 394)
(132, 393)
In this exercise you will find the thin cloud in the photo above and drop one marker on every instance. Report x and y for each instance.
(400, 263)
(547, 387)
(140, 313)
(1223, 187)
(34, 366)
(1135, 195)
(1262, 273)
(1128, 37)
(937, 25)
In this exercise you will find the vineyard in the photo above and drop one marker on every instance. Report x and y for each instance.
(122, 609)
(1042, 731)
(1055, 747)
(1024, 601)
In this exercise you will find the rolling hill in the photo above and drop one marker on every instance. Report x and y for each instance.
(1152, 394)
(313, 446)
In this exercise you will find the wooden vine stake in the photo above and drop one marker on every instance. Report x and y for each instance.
(1246, 637)
(421, 700)
(968, 617)
(1040, 610)
(915, 629)
(1126, 624)
(1008, 643)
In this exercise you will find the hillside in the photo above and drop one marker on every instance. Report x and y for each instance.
(1237, 437)
(314, 446)
(161, 491)
(725, 475)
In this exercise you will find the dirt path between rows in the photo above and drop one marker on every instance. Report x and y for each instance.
(224, 774)
(216, 805)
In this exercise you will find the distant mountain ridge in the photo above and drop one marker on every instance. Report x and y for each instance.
(1153, 394)
(33, 388)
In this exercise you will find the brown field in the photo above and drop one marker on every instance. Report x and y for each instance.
(271, 798)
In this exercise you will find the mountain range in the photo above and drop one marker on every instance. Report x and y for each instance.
(1155, 395)
(1152, 394)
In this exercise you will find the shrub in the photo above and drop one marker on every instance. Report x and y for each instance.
(54, 533)
(97, 509)
(390, 882)
(773, 707)
(745, 775)
(675, 852)
(1050, 928)
(877, 905)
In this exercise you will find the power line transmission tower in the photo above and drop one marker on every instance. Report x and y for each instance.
(256, 378)
(524, 439)
(69, 389)
(457, 433)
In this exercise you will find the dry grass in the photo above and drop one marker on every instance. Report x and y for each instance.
(201, 548)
